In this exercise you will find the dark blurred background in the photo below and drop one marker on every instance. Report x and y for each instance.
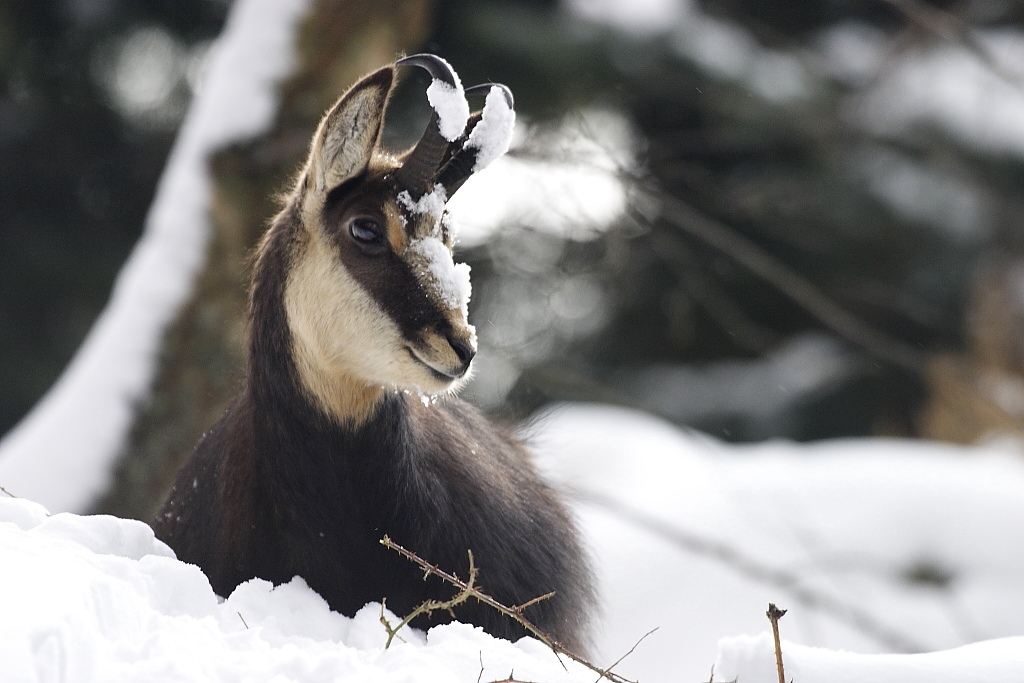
(804, 219)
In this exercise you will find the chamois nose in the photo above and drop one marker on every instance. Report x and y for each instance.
(463, 349)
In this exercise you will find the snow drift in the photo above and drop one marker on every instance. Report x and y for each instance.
(100, 599)
(874, 546)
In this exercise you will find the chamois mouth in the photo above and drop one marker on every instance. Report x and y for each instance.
(439, 375)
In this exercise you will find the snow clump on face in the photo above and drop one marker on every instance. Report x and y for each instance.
(451, 280)
(492, 136)
(434, 258)
(451, 106)
(431, 204)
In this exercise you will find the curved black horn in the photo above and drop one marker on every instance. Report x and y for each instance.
(457, 169)
(433, 65)
(484, 88)
(417, 172)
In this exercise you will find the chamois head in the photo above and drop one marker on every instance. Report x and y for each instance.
(372, 296)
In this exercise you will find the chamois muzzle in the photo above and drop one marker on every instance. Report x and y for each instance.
(437, 158)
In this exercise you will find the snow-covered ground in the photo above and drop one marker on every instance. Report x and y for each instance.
(99, 599)
(874, 547)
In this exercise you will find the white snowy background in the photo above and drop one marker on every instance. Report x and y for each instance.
(877, 548)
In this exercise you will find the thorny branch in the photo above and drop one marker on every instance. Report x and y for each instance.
(467, 590)
(510, 679)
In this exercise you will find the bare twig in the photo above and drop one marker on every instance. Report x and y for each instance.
(8, 493)
(467, 590)
(774, 614)
(632, 649)
(948, 26)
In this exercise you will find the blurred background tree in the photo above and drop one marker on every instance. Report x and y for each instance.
(91, 95)
(757, 218)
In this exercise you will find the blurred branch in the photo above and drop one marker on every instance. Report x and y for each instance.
(755, 569)
(561, 381)
(791, 283)
(716, 302)
(763, 264)
(936, 21)
(949, 27)
(651, 204)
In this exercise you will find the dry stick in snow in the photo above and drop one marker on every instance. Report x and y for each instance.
(467, 590)
(774, 614)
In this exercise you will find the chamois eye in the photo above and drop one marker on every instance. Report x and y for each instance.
(366, 231)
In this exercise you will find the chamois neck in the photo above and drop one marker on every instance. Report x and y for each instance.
(342, 398)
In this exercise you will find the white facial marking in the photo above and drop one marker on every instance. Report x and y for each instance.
(341, 336)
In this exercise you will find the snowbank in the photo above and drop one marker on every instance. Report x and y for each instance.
(99, 599)
(752, 660)
(873, 546)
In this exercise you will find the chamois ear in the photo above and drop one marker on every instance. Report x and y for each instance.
(345, 141)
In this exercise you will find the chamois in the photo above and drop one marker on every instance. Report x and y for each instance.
(346, 427)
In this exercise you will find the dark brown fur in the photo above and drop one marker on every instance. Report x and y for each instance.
(278, 488)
